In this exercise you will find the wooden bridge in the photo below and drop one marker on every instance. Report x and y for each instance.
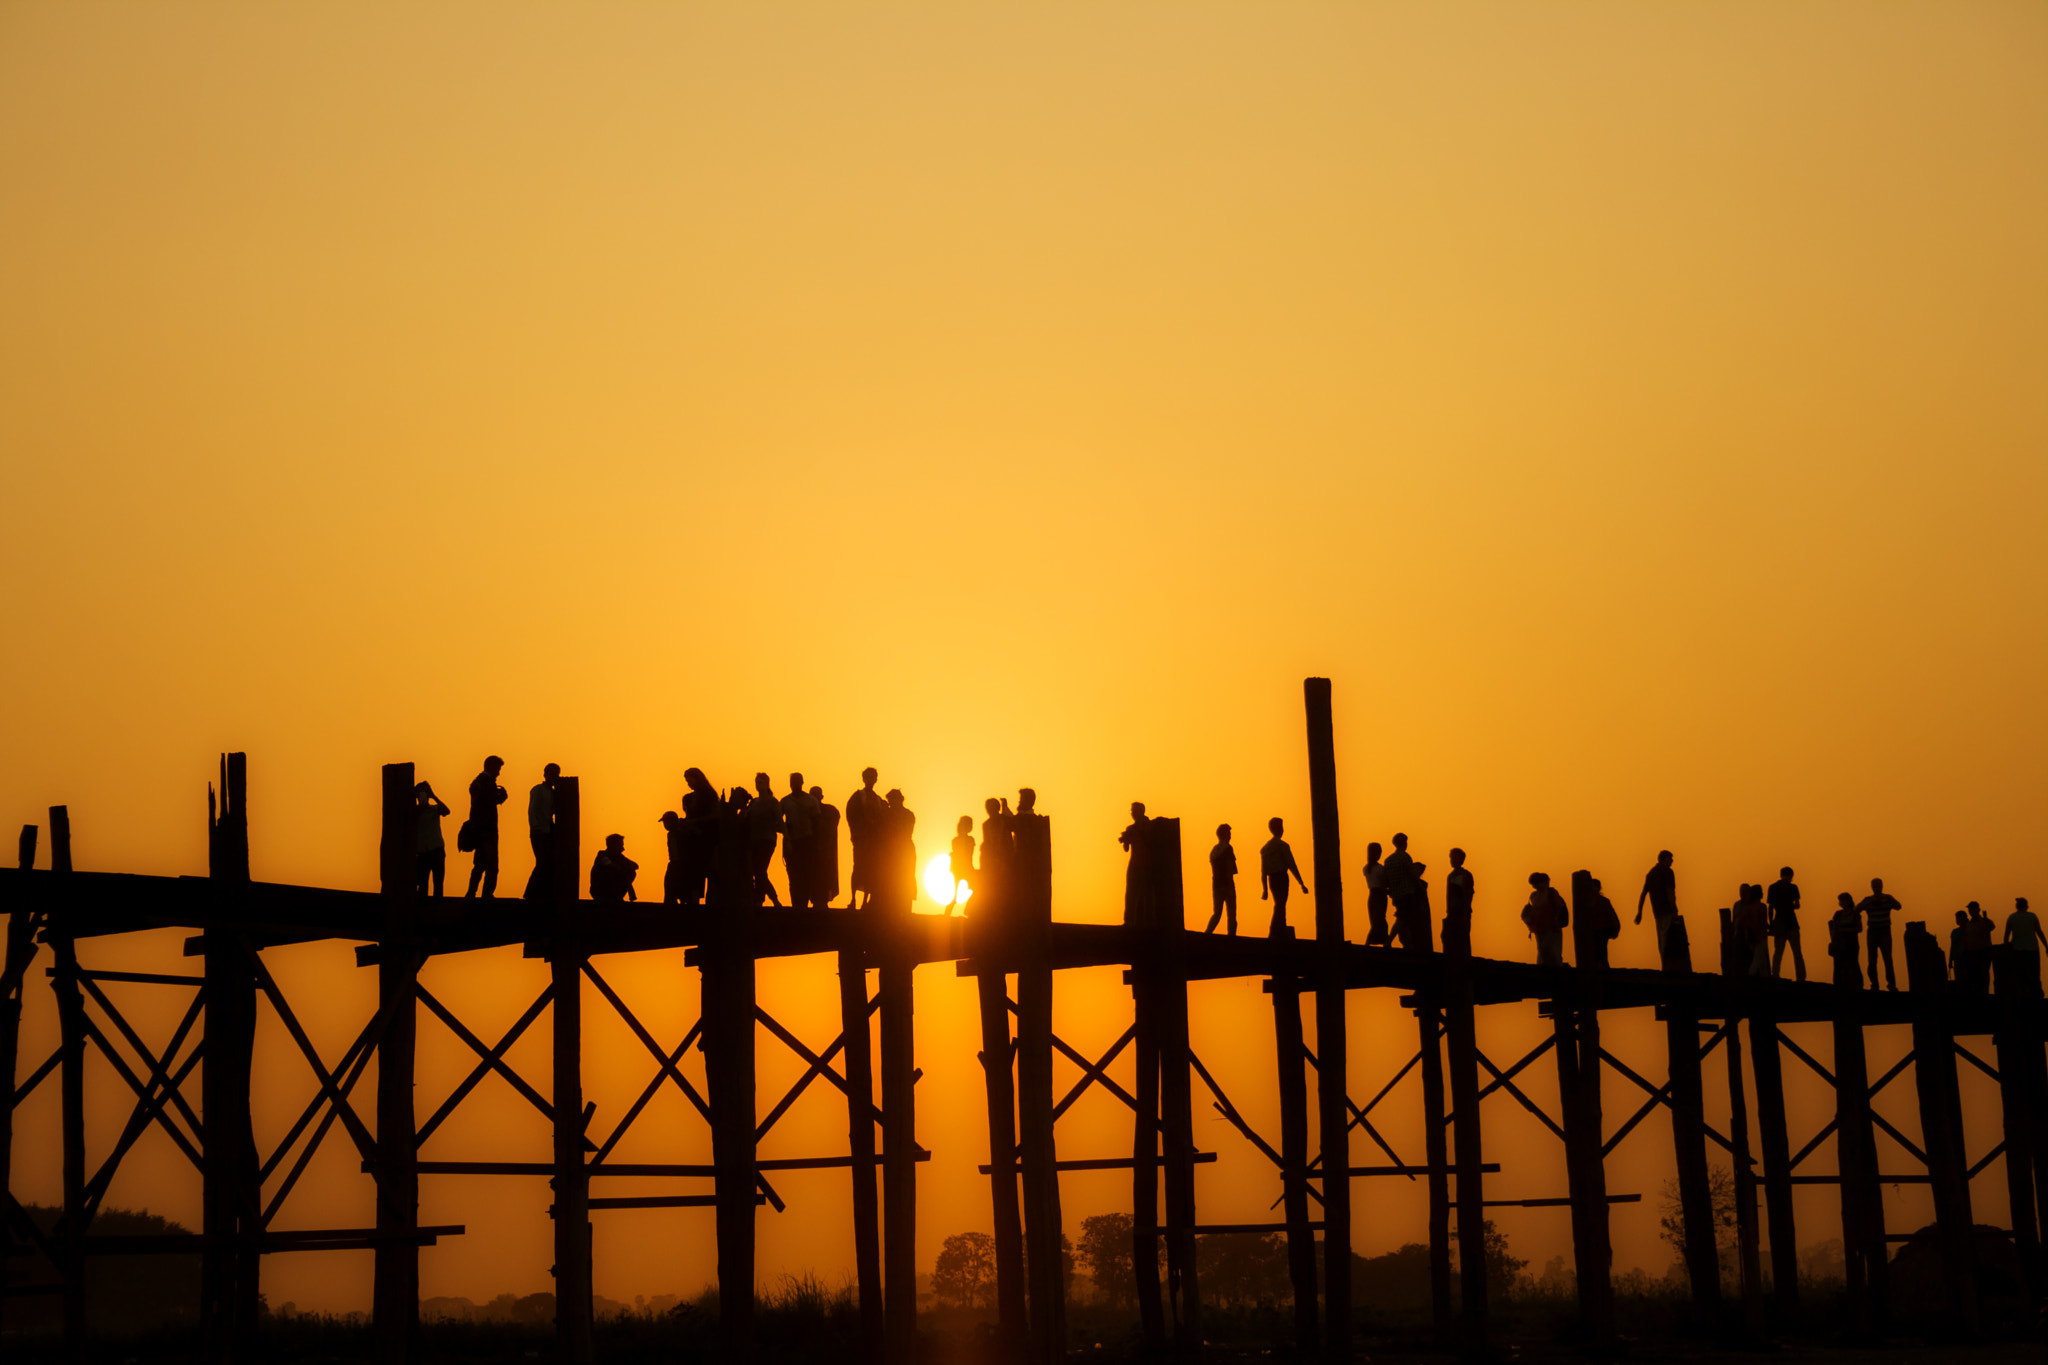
(1011, 936)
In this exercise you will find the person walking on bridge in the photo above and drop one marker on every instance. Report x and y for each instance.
(1276, 864)
(479, 833)
(1660, 890)
(1222, 881)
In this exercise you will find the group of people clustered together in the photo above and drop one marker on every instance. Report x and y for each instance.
(1764, 920)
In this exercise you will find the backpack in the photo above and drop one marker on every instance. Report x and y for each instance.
(465, 838)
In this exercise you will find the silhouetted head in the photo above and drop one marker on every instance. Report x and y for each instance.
(1876, 884)
(616, 843)
(669, 819)
(817, 793)
(421, 789)
(1223, 834)
(1846, 901)
(763, 785)
(1372, 853)
(1401, 842)
(966, 825)
(2019, 902)
(868, 776)
(796, 783)
(1974, 908)
(993, 807)
(1457, 857)
(895, 796)
(1027, 800)
(1276, 824)
(694, 779)
(551, 772)
(1137, 810)
(1539, 879)
(492, 765)
(1784, 874)
(1664, 858)
(1962, 917)
(1593, 883)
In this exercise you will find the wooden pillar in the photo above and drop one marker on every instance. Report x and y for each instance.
(1941, 1123)
(1863, 1245)
(1436, 1152)
(860, 1145)
(1144, 1154)
(71, 1080)
(1745, 1184)
(1777, 1154)
(1689, 1132)
(899, 1148)
(573, 1301)
(1292, 1070)
(1580, 1073)
(395, 1297)
(1001, 1094)
(1176, 1085)
(1461, 1034)
(1030, 916)
(1332, 1042)
(2019, 1057)
(21, 953)
(230, 1275)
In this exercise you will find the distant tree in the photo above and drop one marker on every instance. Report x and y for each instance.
(1721, 1197)
(1394, 1279)
(1243, 1267)
(1503, 1268)
(966, 1269)
(1106, 1250)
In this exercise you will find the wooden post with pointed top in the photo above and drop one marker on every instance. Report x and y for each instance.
(1578, 1081)
(1777, 1154)
(860, 1144)
(1301, 1240)
(899, 1145)
(1941, 1124)
(1332, 1043)
(1176, 1084)
(71, 1079)
(1689, 1134)
(396, 1295)
(2020, 1100)
(21, 953)
(1030, 914)
(1748, 1262)
(573, 1299)
(230, 1268)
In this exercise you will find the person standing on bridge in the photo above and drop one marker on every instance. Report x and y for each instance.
(1458, 892)
(1276, 864)
(1660, 889)
(799, 831)
(896, 874)
(1136, 839)
(431, 848)
(960, 861)
(1977, 943)
(2022, 935)
(678, 857)
(1877, 909)
(998, 849)
(1843, 930)
(1547, 916)
(866, 826)
(701, 811)
(1783, 898)
(764, 823)
(824, 851)
(1222, 881)
(540, 831)
(1376, 935)
(479, 833)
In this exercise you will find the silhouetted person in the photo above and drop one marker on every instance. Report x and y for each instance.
(1876, 910)
(764, 823)
(960, 861)
(485, 796)
(1660, 890)
(678, 857)
(998, 852)
(2023, 941)
(1752, 924)
(897, 875)
(1844, 928)
(431, 858)
(799, 850)
(1222, 881)
(865, 827)
(1409, 894)
(1547, 916)
(1138, 871)
(1605, 921)
(1783, 899)
(540, 831)
(1458, 892)
(1400, 874)
(1377, 935)
(1276, 864)
(1978, 937)
(824, 851)
(702, 809)
(612, 872)
(1959, 951)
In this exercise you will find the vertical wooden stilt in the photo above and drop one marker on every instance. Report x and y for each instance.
(1745, 1187)
(1144, 1157)
(1579, 1075)
(1436, 1152)
(1030, 915)
(573, 1297)
(1863, 1244)
(1689, 1136)
(1941, 1124)
(860, 1142)
(395, 1300)
(899, 1150)
(1301, 1241)
(71, 1079)
(1461, 1034)
(21, 952)
(2019, 1051)
(230, 1276)
(1777, 1155)
(1000, 1092)
(1176, 1092)
(1332, 1041)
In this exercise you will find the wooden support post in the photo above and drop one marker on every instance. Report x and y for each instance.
(1863, 1241)
(860, 1146)
(2019, 1093)
(230, 1275)
(1176, 1086)
(1461, 1034)
(899, 1147)
(573, 1298)
(1579, 1085)
(1749, 1264)
(1332, 1043)
(396, 1295)
(1777, 1154)
(1941, 1124)
(1144, 1154)
(1436, 1152)
(1301, 1240)
(1001, 1094)
(1689, 1136)
(71, 1079)
(21, 953)
(1029, 911)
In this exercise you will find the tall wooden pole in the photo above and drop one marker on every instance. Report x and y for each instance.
(1461, 1034)
(1292, 1069)
(1001, 1094)
(1745, 1184)
(1579, 1072)
(573, 1300)
(1863, 1243)
(1176, 1087)
(1030, 914)
(396, 1296)
(1777, 1154)
(1689, 1133)
(1941, 1124)
(231, 1217)
(21, 953)
(860, 1144)
(2019, 1093)
(1144, 1154)
(1436, 1152)
(1332, 1043)
(71, 1079)
(899, 1147)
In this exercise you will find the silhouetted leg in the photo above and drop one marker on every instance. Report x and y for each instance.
(1798, 957)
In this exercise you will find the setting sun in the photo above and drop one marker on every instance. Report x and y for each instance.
(938, 880)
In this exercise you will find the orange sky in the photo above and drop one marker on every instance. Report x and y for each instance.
(1637, 412)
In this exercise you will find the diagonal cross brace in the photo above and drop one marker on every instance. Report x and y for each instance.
(483, 1068)
(476, 1044)
(1358, 1118)
(366, 1146)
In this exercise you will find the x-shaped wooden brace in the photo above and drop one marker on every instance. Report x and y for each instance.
(1092, 1073)
(1236, 1120)
(150, 1097)
(493, 1058)
(1659, 1094)
(351, 1067)
(1358, 1116)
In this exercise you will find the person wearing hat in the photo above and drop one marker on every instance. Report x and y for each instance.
(1223, 881)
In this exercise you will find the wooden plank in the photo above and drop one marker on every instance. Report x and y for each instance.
(1332, 1042)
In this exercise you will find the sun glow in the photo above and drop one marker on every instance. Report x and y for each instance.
(938, 880)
